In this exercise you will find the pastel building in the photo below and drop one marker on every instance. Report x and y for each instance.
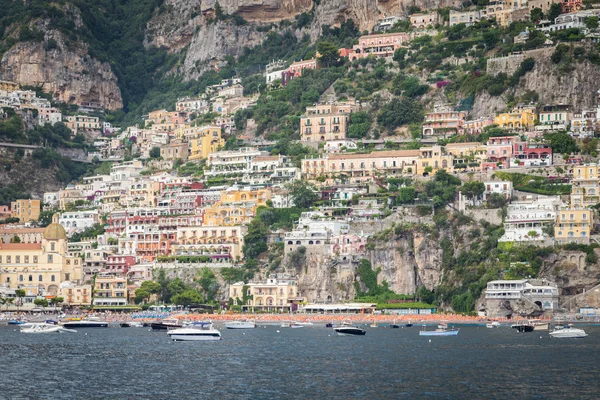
(424, 20)
(325, 122)
(520, 118)
(110, 290)
(525, 220)
(203, 141)
(279, 292)
(85, 122)
(585, 190)
(573, 225)
(443, 122)
(379, 45)
(39, 268)
(26, 210)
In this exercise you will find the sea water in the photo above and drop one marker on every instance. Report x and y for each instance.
(307, 363)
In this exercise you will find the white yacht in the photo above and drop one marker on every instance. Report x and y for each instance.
(240, 325)
(41, 328)
(346, 329)
(195, 332)
(494, 324)
(568, 333)
(91, 322)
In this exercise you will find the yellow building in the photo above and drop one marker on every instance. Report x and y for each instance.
(585, 190)
(77, 122)
(39, 268)
(221, 243)
(8, 86)
(467, 152)
(573, 225)
(142, 193)
(519, 118)
(434, 157)
(325, 122)
(75, 295)
(26, 210)
(203, 140)
(278, 292)
(236, 207)
(110, 290)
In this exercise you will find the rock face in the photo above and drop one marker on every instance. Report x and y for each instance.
(577, 87)
(213, 42)
(70, 74)
(173, 25)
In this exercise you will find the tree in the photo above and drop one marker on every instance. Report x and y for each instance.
(562, 143)
(302, 193)
(496, 200)
(56, 301)
(19, 293)
(406, 195)
(328, 53)
(400, 111)
(208, 283)
(536, 15)
(187, 297)
(472, 189)
(555, 11)
(230, 275)
(41, 302)
(15, 239)
(359, 124)
(45, 218)
(8, 301)
(255, 241)
(155, 152)
(146, 289)
(591, 23)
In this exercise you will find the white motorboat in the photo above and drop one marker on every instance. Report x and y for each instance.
(198, 331)
(539, 325)
(442, 330)
(568, 333)
(41, 328)
(91, 322)
(492, 325)
(240, 325)
(131, 324)
(346, 329)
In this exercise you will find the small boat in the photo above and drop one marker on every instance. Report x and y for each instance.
(198, 331)
(16, 322)
(442, 330)
(285, 325)
(569, 332)
(394, 326)
(294, 325)
(492, 325)
(305, 323)
(166, 324)
(131, 324)
(523, 327)
(329, 325)
(291, 324)
(539, 325)
(240, 325)
(373, 325)
(91, 322)
(51, 322)
(408, 324)
(346, 329)
(41, 328)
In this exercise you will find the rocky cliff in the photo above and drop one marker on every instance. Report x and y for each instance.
(578, 86)
(62, 67)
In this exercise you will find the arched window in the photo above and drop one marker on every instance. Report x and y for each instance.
(40, 278)
(52, 278)
(20, 278)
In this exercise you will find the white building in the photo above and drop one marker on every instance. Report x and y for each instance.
(571, 20)
(126, 170)
(231, 162)
(386, 24)
(541, 293)
(504, 188)
(314, 228)
(525, 219)
(78, 221)
(339, 146)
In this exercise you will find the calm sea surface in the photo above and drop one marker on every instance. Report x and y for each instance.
(118, 363)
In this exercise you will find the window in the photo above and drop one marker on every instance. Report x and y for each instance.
(50, 259)
(30, 278)
(8, 259)
(67, 277)
(40, 278)
(17, 259)
(20, 278)
(51, 246)
(26, 259)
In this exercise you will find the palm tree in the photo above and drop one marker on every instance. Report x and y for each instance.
(8, 301)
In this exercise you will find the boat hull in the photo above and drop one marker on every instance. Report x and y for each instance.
(164, 327)
(541, 327)
(453, 332)
(240, 325)
(45, 329)
(524, 328)
(568, 334)
(350, 331)
(194, 338)
(85, 324)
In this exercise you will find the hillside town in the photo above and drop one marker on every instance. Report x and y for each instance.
(180, 192)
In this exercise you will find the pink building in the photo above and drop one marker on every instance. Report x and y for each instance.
(348, 244)
(118, 264)
(380, 45)
(443, 122)
(527, 154)
(4, 212)
(475, 127)
(296, 68)
(500, 150)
